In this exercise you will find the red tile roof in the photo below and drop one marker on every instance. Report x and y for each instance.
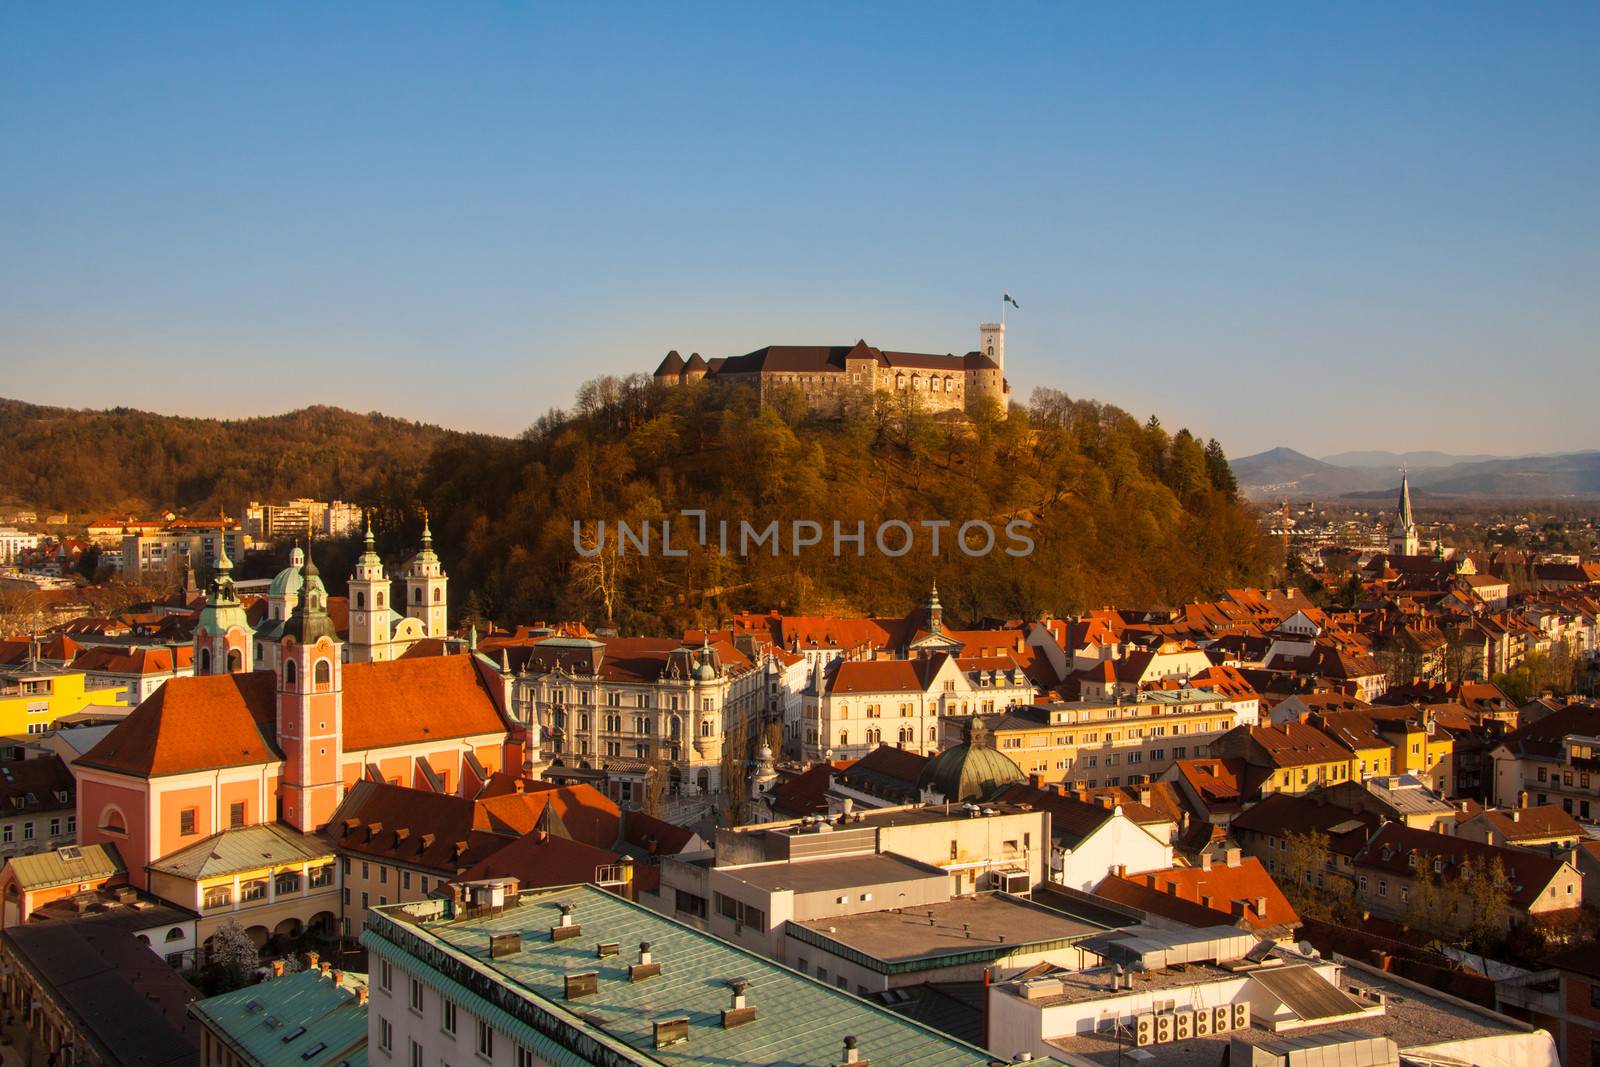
(1197, 897)
(228, 720)
(1392, 849)
(541, 859)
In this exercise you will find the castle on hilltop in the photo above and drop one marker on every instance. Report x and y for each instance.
(833, 378)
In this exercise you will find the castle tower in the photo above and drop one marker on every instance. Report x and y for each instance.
(310, 712)
(986, 368)
(992, 343)
(222, 632)
(1403, 540)
(425, 583)
(370, 630)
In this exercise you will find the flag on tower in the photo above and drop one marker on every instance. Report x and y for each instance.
(1009, 299)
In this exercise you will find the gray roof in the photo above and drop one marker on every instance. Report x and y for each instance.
(825, 875)
(82, 738)
(799, 1021)
(118, 993)
(66, 866)
(243, 849)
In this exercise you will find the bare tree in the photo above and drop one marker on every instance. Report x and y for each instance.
(731, 798)
(597, 572)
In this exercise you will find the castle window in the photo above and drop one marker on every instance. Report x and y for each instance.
(378, 599)
(438, 595)
(324, 673)
(205, 661)
(416, 596)
(288, 672)
(361, 601)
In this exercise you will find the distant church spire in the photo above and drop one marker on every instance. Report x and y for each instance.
(1403, 540)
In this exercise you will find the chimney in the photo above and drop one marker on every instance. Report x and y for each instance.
(738, 1013)
(1232, 855)
(1145, 796)
(1261, 906)
(1122, 869)
(277, 968)
(361, 995)
(311, 961)
(646, 967)
(337, 976)
(1516, 814)
(851, 1053)
(325, 967)
(1205, 861)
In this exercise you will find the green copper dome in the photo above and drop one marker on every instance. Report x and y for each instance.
(972, 770)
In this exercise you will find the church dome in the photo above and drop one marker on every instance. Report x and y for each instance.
(288, 581)
(972, 770)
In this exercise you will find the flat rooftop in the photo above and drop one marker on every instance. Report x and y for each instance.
(826, 875)
(960, 926)
(1413, 1017)
(798, 1021)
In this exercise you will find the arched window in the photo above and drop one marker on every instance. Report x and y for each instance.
(175, 934)
(674, 728)
(991, 349)
(416, 596)
(361, 601)
(113, 821)
(844, 738)
(289, 674)
(260, 652)
(324, 673)
(438, 595)
(205, 661)
(235, 661)
(379, 599)
(705, 728)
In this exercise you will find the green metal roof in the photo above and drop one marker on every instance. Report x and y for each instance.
(276, 1023)
(246, 848)
(66, 866)
(799, 1021)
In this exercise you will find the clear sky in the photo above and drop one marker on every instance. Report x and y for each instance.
(1346, 226)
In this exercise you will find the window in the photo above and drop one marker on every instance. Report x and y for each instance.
(287, 882)
(524, 1057)
(385, 975)
(448, 1024)
(416, 1055)
(253, 890)
(405, 879)
(55, 827)
(1383, 887)
(1594, 994)
(385, 1034)
(485, 1040)
(324, 674)
(236, 814)
(383, 874)
(186, 822)
(218, 897)
(416, 995)
(288, 672)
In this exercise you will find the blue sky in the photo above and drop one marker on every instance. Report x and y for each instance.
(1353, 226)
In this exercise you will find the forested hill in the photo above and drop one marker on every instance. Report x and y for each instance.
(80, 462)
(1122, 511)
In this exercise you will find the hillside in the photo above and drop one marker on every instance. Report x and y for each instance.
(60, 459)
(1122, 511)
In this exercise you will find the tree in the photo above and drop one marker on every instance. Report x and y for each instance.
(653, 800)
(1485, 899)
(735, 776)
(234, 957)
(1310, 882)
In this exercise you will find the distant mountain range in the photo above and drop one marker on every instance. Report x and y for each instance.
(1285, 472)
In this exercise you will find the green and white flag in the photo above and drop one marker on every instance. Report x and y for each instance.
(1009, 299)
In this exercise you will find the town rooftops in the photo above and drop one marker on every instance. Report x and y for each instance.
(243, 848)
(1540, 823)
(68, 865)
(1407, 795)
(796, 1019)
(118, 993)
(1239, 889)
(1399, 849)
(227, 720)
(284, 1021)
(1279, 814)
(828, 875)
(911, 939)
(1295, 744)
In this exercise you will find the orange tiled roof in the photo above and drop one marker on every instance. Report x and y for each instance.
(193, 724)
(1198, 897)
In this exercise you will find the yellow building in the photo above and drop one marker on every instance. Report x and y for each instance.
(34, 695)
(1099, 743)
(1299, 757)
(1406, 739)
